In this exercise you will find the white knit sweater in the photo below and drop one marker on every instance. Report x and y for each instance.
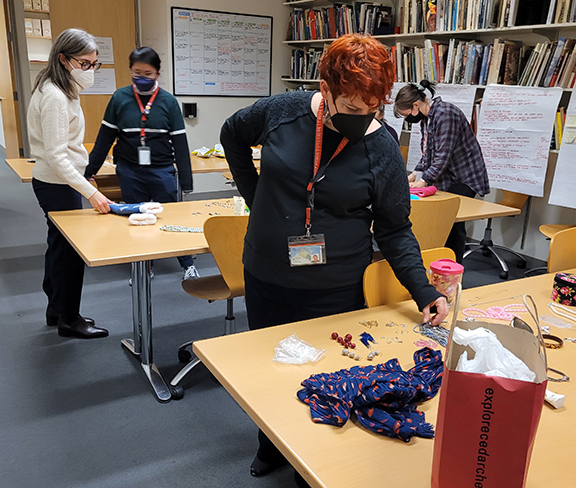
(56, 133)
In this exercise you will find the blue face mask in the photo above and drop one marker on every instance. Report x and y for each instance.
(143, 83)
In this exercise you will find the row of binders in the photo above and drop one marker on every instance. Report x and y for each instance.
(338, 20)
(453, 15)
(304, 63)
(547, 64)
(425, 16)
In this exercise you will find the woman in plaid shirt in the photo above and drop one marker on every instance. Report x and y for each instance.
(451, 156)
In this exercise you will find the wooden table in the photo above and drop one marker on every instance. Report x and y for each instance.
(23, 168)
(477, 209)
(108, 239)
(328, 456)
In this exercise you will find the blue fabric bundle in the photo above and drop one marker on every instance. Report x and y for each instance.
(383, 396)
(125, 208)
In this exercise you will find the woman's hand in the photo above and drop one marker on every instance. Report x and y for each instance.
(441, 311)
(100, 202)
(418, 184)
(412, 177)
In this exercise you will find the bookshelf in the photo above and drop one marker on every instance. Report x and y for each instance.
(311, 28)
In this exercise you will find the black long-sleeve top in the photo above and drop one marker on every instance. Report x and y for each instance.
(364, 186)
(165, 134)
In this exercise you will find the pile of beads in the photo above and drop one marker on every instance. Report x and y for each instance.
(369, 323)
(570, 339)
(366, 338)
(425, 343)
(507, 312)
(436, 333)
(372, 355)
(181, 228)
(345, 341)
(350, 354)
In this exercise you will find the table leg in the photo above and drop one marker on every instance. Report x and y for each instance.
(141, 343)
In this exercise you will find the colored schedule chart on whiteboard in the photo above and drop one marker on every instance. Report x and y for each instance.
(221, 54)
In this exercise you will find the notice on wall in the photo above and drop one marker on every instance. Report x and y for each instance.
(221, 54)
(104, 83)
(562, 191)
(514, 132)
(460, 95)
(105, 50)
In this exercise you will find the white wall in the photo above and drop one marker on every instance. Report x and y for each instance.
(507, 231)
(213, 111)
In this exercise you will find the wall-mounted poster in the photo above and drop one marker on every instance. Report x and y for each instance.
(220, 53)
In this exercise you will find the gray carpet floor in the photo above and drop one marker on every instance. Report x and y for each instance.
(79, 414)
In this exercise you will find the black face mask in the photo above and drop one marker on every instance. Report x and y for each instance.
(414, 119)
(352, 126)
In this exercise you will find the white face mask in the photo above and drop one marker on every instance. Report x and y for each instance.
(84, 78)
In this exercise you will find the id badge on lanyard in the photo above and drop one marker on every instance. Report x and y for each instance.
(310, 249)
(144, 153)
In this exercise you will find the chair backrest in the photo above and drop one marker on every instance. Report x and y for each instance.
(432, 220)
(225, 237)
(512, 199)
(381, 286)
(562, 254)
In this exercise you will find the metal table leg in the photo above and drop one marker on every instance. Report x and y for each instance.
(141, 343)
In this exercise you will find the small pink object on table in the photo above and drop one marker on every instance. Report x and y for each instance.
(424, 192)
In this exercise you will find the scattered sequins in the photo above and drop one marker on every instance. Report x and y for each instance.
(181, 228)
(369, 323)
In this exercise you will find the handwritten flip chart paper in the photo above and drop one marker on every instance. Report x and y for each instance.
(460, 95)
(389, 117)
(514, 132)
(562, 192)
(221, 54)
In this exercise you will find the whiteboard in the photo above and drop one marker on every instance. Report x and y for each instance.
(221, 53)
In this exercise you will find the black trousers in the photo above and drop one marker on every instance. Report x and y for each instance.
(268, 305)
(63, 267)
(457, 237)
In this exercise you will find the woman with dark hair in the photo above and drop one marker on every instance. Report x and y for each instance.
(329, 173)
(148, 126)
(56, 133)
(451, 156)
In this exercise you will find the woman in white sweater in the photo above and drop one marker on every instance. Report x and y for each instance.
(56, 132)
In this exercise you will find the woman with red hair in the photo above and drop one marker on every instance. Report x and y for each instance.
(329, 173)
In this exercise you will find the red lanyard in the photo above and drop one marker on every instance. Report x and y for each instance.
(317, 156)
(145, 111)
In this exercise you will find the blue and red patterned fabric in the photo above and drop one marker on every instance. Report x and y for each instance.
(383, 396)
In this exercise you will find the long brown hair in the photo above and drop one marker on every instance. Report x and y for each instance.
(71, 42)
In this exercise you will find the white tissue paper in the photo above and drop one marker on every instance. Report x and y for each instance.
(491, 358)
(142, 219)
(296, 351)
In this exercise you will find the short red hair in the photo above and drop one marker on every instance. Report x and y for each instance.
(358, 65)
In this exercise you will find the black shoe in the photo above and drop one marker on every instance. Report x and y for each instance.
(52, 320)
(80, 328)
(260, 468)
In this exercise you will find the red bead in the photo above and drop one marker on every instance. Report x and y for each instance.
(340, 340)
(334, 335)
(352, 346)
(348, 337)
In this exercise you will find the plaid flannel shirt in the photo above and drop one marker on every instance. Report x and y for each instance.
(452, 154)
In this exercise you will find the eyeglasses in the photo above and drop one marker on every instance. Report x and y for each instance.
(86, 65)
